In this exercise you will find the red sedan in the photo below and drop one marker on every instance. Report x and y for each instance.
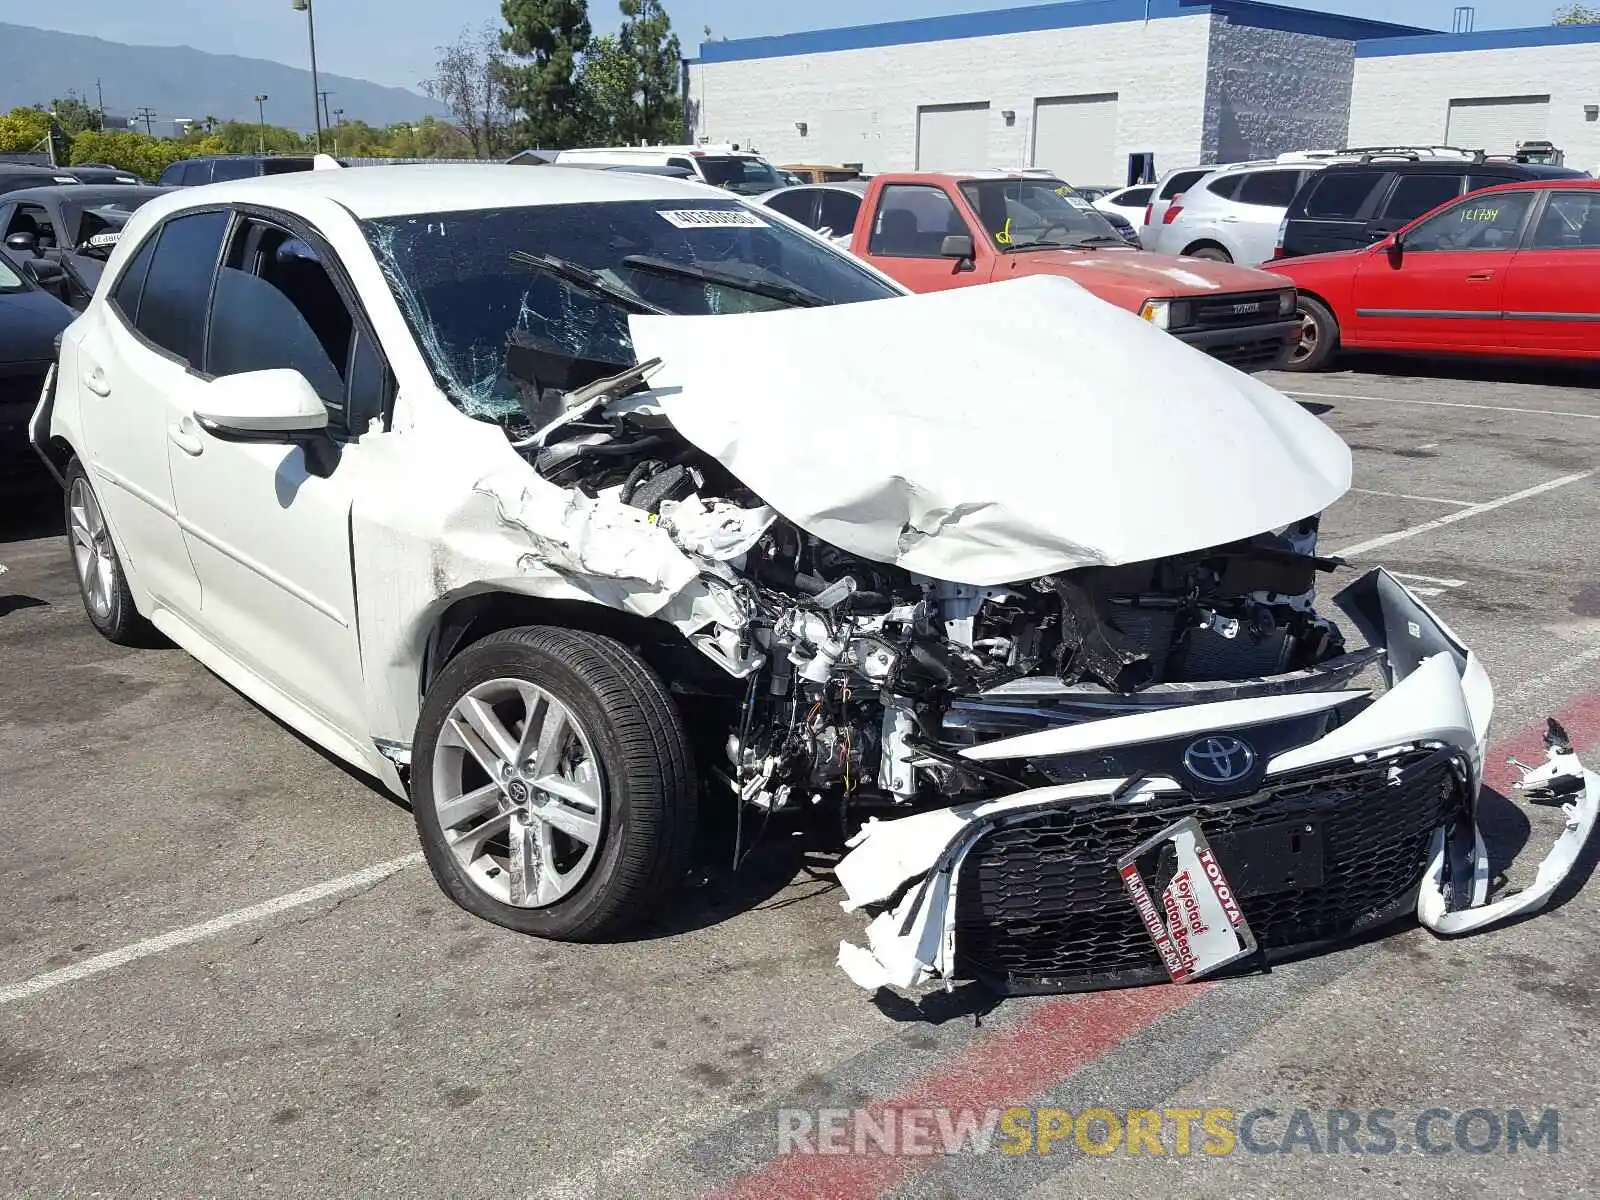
(1510, 271)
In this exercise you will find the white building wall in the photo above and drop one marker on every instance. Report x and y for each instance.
(1405, 99)
(861, 105)
(1270, 91)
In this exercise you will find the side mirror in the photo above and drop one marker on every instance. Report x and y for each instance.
(22, 243)
(1395, 248)
(279, 405)
(45, 273)
(956, 245)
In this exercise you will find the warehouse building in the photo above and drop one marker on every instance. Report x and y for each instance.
(1492, 89)
(1088, 88)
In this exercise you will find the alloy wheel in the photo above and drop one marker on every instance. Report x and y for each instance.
(1310, 336)
(91, 549)
(518, 793)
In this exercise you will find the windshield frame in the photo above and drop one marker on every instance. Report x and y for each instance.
(1000, 239)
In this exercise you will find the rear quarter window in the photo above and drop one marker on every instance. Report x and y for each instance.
(1227, 186)
(1181, 182)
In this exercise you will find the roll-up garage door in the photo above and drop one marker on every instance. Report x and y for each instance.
(1076, 137)
(1497, 123)
(952, 137)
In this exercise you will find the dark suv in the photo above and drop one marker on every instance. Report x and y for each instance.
(192, 172)
(1346, 206)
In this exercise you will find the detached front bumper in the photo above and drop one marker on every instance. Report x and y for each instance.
(1367, 815)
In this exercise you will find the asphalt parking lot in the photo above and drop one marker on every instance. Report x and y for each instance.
(222, 970)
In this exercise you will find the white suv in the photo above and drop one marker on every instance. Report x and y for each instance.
(1232, 214)
(575, 504)
(725, 166)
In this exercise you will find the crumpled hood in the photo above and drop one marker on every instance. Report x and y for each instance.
(990, 434)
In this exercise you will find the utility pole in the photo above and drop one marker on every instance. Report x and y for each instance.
(316, 84)
(261, 122)
(100, 101)
(147, 115)
(327, 121)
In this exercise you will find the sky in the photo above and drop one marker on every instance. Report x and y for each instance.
(393, 41)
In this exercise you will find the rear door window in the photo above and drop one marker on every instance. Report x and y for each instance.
(1226, 186)
(1571, 221)
(797, 206)
(172, 307)
(1416, 194)
(1341, 195)
(1137, 198)
(1272, 189)
(839, 212)
(125, 296)
(233, 168)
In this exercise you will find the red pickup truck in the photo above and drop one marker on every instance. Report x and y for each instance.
(932, 231)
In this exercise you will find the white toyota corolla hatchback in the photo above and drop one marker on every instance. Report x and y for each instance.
(572, 503)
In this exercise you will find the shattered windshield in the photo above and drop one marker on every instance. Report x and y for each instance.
(454, 278)
(747, 176)
(1027, 214)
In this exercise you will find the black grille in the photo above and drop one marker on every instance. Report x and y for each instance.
(1040, 906)
(1223, 312)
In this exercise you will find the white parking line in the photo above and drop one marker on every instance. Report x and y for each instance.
(1400, 535)
(1504, 408)
(1438, 586)
(112, 959)
(1410, 496)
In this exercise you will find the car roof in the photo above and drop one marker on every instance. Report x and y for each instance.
(1456, 166)
(393, 191)
(857, 186)
(86, 195)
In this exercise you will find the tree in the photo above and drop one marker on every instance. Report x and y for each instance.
(23, 129)
(74, 116)
(469, 81)
(608, 87)
(1576, 14)
(547, 36)
(647, 37)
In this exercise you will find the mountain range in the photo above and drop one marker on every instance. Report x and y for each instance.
(40, 65)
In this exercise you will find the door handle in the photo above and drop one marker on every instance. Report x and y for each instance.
(95, 380)
(185, 439)
(1480, 277)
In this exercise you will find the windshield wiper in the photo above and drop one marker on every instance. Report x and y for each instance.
(785, 293)
(586, 280)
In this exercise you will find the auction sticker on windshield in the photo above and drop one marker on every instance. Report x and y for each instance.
(1196, 924)
(701, 218)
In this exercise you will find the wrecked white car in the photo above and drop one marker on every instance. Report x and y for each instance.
(573, 503)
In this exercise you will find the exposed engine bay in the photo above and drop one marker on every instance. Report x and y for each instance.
(863, 679)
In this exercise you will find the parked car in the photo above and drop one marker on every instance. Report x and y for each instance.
(1230, 215)
(1169, 190)
(16, 176)
(196, 172)
(1353, 204)
(102, 173)
(31, 320)
(1510, 271)
(1129, 202)
(76, 227)
(739, 171)
(503, 580)
(815, 173)
(933, 231)
(829, 208)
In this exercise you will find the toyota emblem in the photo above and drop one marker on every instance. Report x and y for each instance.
(1219, 758)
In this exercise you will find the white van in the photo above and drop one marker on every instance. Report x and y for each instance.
(724, 166)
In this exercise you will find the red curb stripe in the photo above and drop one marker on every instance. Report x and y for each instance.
(1580, 718)
(998, 1071)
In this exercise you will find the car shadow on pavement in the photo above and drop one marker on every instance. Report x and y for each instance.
(1515, 371)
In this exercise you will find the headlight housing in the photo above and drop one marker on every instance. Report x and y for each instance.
(1287, 303)
(1166, 314)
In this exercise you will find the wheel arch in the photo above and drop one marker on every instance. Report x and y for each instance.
(1207, 243)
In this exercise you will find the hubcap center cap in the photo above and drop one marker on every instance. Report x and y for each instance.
(518, 792)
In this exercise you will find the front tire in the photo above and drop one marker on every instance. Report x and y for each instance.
(552, 784)
(1211, 254)
(1319, 337)
(102, 584)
